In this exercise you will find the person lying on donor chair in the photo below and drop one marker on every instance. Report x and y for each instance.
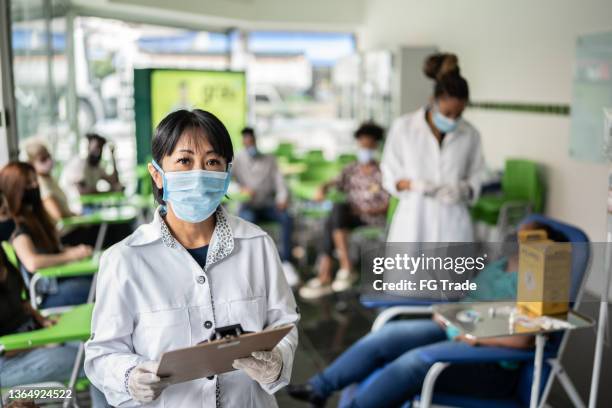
(394, 351)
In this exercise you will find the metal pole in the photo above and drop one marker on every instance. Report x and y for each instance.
(601, 328)
(8, 117)
(51, 105)
(538, 361)
(72, 105)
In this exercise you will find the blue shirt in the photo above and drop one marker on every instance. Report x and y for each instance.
(199, 254)
(494, 283)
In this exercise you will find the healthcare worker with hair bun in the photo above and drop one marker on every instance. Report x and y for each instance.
(192, 269)
(433, 162)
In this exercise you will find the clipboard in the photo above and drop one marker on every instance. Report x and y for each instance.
(216, 357)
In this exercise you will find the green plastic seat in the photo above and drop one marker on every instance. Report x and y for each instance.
(290, 169)
(393, 202)
(114, 215)
(73, 325)
(9, 251)
(145, 187)
(374, 232)
(321, 172)
(306, 184)
(104, 199)
(346, 158)
(142, 202)
(313, 156)
(237, 197)
(84, 267)
(285, 150)
(520, 183)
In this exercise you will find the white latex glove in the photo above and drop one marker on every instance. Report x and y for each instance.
(143, 383)
(453, 193)
(423, 186)
(263, 366)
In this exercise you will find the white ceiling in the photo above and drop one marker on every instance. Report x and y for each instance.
(325, 15)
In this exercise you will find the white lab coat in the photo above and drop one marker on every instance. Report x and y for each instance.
(412, 152)
(152, 296)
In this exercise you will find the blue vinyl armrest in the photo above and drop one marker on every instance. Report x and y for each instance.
(459, 353)
(371, 301)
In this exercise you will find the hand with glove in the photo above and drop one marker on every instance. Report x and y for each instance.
(423, 186)
(263, 366)
(143, 383)
(453, 193)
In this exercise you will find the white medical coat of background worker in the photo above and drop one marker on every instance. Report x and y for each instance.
(152, 296)
(412, 152)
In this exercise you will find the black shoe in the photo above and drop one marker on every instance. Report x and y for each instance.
(305, 392)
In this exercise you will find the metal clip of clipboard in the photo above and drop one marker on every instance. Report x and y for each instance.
(225, 332)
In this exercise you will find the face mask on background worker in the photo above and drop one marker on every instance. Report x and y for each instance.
(443, 123)
(195, 194)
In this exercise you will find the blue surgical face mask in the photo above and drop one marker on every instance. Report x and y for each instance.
(365, 156)
(252, 151)
(443, 123)
(195, 194)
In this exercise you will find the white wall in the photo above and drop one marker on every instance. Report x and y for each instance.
(518, 51)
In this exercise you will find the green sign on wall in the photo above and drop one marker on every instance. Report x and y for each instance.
(161, 91)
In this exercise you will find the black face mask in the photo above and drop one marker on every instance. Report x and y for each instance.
(6, 229)
(93, 159)
(31, 195)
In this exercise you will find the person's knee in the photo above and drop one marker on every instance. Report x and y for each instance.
(382, 335)
(50, 364)
(411, 364)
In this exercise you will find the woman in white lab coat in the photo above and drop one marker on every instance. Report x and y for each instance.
(433, 162)
(192, 269)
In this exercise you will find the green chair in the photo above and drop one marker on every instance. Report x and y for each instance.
(73, 325)
(306, 184)
(291, 167)
(10, 254)
(346, 158)
(313, 157)
(143, 199)
(285, 150)
(145, 187)
(522, 191)
(374, 232)
(106, 199)
(113, 215)
(84, 267)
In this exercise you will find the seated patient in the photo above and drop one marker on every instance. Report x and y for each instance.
(53, 198)
(35, 238)
(261, 180)
(81, 175)
(16, 315)
(394, 351)
(366, 204)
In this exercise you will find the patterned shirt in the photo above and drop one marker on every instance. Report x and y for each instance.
(362, 185)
